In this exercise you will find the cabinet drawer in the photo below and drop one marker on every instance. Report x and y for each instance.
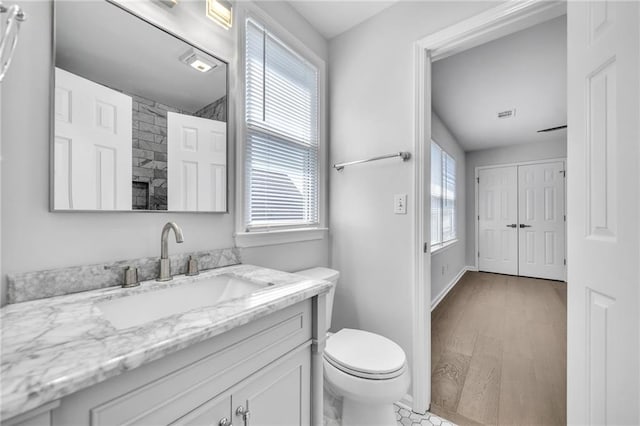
(165, 390)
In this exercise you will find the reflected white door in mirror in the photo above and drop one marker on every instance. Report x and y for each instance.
(92, 154)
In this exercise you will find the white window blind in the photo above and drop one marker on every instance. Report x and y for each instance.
(281, 161)
(443, 196)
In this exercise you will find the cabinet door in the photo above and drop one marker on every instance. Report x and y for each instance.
(216, 412)
(279, 395)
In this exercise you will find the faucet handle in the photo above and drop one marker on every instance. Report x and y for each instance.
(131, 277)
(192, 266)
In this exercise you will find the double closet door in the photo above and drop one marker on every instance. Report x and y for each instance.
(521, 220)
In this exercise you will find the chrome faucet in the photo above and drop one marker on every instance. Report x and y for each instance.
(165, 263)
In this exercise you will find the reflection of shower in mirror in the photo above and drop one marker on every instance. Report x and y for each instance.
(9, 35)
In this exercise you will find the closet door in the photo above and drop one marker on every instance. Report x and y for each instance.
(498, 220)
(541, 220)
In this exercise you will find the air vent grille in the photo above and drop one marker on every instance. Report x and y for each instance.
(507, 114)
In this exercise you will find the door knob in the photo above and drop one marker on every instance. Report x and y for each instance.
(513, 225)
(524, 226)
(224, 422)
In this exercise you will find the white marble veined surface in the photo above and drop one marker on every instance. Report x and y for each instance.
(56, 346)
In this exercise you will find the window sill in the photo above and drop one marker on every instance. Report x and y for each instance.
(439, 248)
(270, 238)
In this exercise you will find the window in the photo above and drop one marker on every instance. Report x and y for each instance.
(443, 197)
(282, 136)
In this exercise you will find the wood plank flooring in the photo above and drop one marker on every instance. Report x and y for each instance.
(498, 351)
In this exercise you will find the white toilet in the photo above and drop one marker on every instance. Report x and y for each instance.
(367, 370)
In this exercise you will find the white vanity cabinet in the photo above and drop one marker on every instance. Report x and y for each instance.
(276, 395)
(259, 373)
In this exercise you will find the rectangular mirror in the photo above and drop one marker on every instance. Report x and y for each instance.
(140, 115)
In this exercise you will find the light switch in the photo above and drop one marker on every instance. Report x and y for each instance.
(400, 204)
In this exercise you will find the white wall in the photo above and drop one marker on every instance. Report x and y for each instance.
(371, 113)
(503, 155)
(448, 262)
(34, 238)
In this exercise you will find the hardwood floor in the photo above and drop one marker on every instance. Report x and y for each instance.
(498, 351)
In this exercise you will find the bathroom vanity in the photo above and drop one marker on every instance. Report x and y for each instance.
(254, 355)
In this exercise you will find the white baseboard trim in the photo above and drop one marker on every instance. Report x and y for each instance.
(472, 268)
(449, 286)
(406, 402)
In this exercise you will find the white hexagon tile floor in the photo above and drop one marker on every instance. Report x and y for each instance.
(408, 418)
(405, 417)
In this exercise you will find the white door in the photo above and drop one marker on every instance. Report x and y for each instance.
(541, 221)
(92, 150)
(196, 163)
(498, 220)
(603, 213)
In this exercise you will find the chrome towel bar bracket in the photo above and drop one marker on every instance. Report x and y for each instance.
(403, 154)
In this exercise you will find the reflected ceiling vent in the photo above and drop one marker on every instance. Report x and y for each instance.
(507, 114)
(553, 129)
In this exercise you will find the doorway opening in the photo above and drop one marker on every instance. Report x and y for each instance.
(457, 196)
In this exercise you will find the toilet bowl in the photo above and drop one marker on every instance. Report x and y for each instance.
(368, 371)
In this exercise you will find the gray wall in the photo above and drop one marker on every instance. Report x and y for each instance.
(447, 263)
(34, 238)
(496, 156)
(371, 113)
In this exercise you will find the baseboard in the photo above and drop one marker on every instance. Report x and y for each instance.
(449, 286)
(472, 268)
(406, 402)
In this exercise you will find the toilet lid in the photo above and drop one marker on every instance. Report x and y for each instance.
(358, 351)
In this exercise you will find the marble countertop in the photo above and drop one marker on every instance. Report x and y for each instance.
(56, 346)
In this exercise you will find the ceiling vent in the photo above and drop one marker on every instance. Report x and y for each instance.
(507, 114)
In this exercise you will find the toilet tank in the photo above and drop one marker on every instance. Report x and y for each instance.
(324, 274)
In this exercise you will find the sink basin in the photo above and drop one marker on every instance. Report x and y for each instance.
(130, 311)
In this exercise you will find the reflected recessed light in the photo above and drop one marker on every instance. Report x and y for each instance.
(220, 11)
(198, 61)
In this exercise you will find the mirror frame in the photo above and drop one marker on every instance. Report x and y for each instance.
(52, 94)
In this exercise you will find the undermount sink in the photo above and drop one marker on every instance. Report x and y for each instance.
(130, 311)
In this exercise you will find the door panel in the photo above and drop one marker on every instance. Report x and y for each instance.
(279, 395)
(603, 211)
(196, 163)
(541, 220)
(210, 413)
(497, 211)
(92, 148)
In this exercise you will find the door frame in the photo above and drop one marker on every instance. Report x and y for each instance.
(522, 163)
(494, 23)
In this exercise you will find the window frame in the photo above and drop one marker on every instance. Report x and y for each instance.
(441, 245)
(263, 236)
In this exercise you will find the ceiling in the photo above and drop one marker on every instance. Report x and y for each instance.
(103, 43)
(525, 70)
(332, 17)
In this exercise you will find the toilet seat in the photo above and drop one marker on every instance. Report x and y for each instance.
(365, 355)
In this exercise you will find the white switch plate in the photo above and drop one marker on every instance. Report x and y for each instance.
(400, 204)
